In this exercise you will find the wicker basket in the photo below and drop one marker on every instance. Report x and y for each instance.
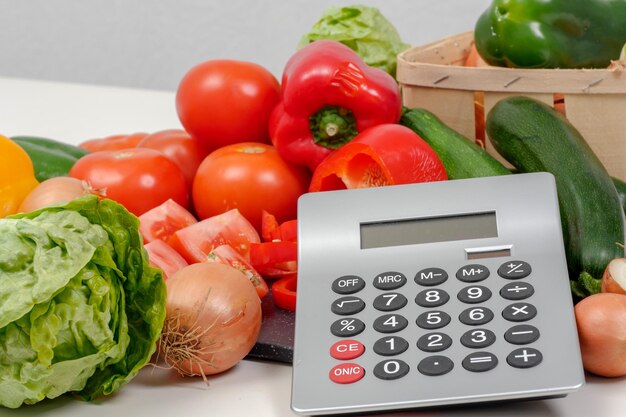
(433, 77)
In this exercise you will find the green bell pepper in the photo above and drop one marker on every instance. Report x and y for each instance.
(551, 33)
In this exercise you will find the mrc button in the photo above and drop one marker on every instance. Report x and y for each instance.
(347, 349)
(346, 373)
(348, 284)
(389, 280)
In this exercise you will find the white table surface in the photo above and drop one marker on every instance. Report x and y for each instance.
(74, 113)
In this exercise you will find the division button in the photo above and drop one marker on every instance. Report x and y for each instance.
(474, 294)
(519, 312)
(389, 301)
(346, 306)
(348, 284)
(346, 373)
(514, 269)
(433, 320)
(390, 323)
(524, 358)
(390, 345)
(347, 327)
(475, 316)
(433, 297)
(389, 281)
(478, 338)
(522, 334)
(431, 276)
(435, 365)
(391, 369)
(347, 349)
(434, 342)
(472, 273)
(480, 362)
(517, 290)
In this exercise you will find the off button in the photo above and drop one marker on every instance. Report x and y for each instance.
(346, 373)
(347, 349)
(348, 284)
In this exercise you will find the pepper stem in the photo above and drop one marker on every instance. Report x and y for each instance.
(332, 126)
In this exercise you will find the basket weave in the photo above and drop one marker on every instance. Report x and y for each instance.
(434, 77)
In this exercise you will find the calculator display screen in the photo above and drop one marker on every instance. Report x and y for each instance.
(428, 230)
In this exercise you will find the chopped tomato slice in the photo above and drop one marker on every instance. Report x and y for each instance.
(225, 254)
(163, 220)
(162, 256)
(289, 231)
(274, 259)
(196, 241)
(271, 231)
(284, 292)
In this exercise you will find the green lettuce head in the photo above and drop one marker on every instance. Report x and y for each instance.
(365, 30)
(80, 308)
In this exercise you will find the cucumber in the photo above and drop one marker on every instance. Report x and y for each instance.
(534, 137)
(461, 157)
(620, 186)
(50, 158)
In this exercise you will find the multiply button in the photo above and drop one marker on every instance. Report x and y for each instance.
(472, 273)
(514, 270)
(431, 276)
(347, 349)
(348, 284)
(389, 281)
(519, 312)
(346, 306)
(346, 373)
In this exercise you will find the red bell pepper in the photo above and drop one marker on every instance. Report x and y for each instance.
(329, 95)
(382, 155)
(284, 292)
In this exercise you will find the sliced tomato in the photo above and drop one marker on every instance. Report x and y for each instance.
(272, 231)
(196, 241)
(225, 254)
(163, 256)
(289, 231)
(163, 220)
(284, 292)
(113, 142)
(274, 259)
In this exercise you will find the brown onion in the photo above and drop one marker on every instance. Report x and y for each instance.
(56, 190)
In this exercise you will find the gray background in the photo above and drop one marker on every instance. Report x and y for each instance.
(151, 44)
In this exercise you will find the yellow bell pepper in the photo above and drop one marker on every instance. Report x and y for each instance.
(17, 176)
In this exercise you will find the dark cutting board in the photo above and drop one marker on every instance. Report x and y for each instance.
(275, 341)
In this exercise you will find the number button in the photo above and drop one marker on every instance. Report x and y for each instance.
(431, 320)
(348, 284)
(435, 365)
(524, 358)
(390, 323)
(478, 338)
(472, 273)
(391, 369)
(346, 306)
(347, 349)
(474, 294)
(389, 301)
(521, 334)
(480, 361)
(476, 316)
(347, 327)
(514, 270)
(431, 276)
(391, 345)
(432, 298)
(434, 342)
(517, 291)
(389, 281)
(519, 312)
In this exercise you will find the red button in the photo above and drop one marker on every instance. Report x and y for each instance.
(346, 373)
(347, 349)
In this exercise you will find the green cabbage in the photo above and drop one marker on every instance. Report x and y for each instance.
(365, 30)
(80, 308)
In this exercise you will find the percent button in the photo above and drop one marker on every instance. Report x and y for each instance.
(347, 327)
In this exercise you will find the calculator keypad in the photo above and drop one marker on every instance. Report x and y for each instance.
(432, 295)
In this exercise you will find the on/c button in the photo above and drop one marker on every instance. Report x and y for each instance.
(346, 373)
(347, 349)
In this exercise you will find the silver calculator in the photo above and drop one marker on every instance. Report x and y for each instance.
(432, 294)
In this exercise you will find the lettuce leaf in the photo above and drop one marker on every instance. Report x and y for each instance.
(365, 30)
(80, 308)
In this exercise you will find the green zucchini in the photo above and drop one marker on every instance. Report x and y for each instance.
(50, 157)
(620, 186)
(461, 157)
(534, 137)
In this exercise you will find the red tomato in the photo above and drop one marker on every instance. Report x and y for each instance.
(163, 256)
(225, 254)
(195, 242)
(113, 143)
(160, 222)
(137, 178)
(271, 231)
(220, 102)
(251, 177)
(181, 148)
(284, 292)
(274, 259)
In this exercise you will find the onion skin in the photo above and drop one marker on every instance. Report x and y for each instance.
(55, 190)
(213, 319)
(614, 277)
(601, 323)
